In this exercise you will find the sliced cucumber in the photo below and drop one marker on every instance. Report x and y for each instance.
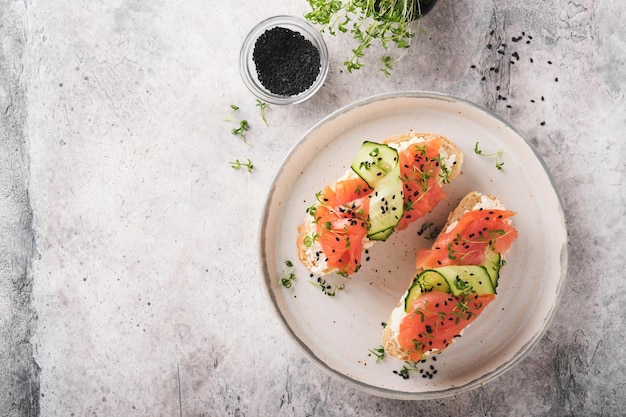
(453, 279)
(464, 279)
(386, 204)
(414, 292)
(493, 262)
(428, 280)
(381, 235)
(432, 280)
(374, 161)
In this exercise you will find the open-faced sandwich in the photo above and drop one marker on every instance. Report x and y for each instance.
(389, 185)
(456, 279)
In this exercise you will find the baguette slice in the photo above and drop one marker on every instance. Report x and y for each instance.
(430, 325)
(312, 252)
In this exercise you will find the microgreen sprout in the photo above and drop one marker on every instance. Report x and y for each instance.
(240, 165)
(429, 231)
(243, 124)
(262, 108)
(498, 155)
(310, 239)
(379, 162)
(327, 288)
(241, 130)
(390, 22)
(234, 108)
(379, 352)
(408, 367)
(288, 277)
(445, 171)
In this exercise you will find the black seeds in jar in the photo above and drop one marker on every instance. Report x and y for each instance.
(286, 62)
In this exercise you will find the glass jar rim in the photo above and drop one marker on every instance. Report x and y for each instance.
(247, 67)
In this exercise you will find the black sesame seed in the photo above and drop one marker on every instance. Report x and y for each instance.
(286, 62)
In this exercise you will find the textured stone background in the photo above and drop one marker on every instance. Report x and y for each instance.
(129, 274)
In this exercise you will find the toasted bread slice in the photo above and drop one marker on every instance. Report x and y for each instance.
(471, 201)
(312, 256)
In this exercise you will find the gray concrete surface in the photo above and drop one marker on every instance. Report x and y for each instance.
(129, 278)
(19, 373)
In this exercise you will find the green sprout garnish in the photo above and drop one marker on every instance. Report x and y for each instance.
(389, 22)
(429, 231)
(327, 288)
(243, 125)
(262, 108)
(288, 277)
(498, 155)
(379, 352)
(239, 165)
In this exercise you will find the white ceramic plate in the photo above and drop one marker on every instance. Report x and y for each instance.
(338, 332)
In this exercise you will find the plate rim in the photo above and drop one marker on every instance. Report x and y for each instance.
(522, 352)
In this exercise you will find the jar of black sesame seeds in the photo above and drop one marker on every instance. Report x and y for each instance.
(283, 60)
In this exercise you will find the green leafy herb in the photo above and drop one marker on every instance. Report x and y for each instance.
(390, 22)
(243, 125)
(379, 162)
(241, 130)
(409, 366)
(328, 289)
(312, 210)
(310, 239)
(429, 231)
(234, 108)
(262, 108)
(462, 310)
(498, 155)
(288, 277)
(239, 165)
(463, 287)
(452, 254)
(445, 171)
(379, 352)
(419, 367)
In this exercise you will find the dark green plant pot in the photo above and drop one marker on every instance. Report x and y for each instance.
(426, 5)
